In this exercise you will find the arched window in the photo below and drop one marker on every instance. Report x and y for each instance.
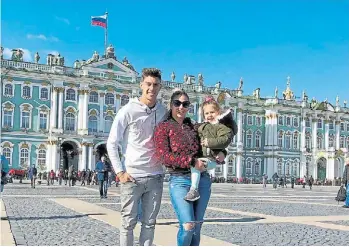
(331, 141)
(70, 94)
(8, 154)
(24, 157)
(231, 166)
(348, 142)
(25, 119)
(295, 168)
(287, 168)
(26, 92)
(70, 121)
(308, 140)
(295, 122)
(279, 167)
(281, 120)
(191, 109)
(280, 139)
(92, 124)
(249, 139)
(319, 123)
(258, 139)
(341, 141)
(93, 98)
(8, 118)
(288, 140)
(295, 140)
(44, 93)
(249, 167)
(8, 90)
(42, 158)
(257, 168)
(319, 141)
(124, 100)
(109, 99)
(108, 121)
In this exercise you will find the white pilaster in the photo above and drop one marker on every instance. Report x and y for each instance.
(327, 132)
(303, 135)
(48, 158)
(330, 168)
(80, 165)
(60, 109)
(267, 130)
(85, 112)
(101, 112)
(225, 167)
(53, 116)
(84, 156)
(81, 110)
(314, 134)
(90, 156)
(54, 156)
(337, 134)
(239, 144)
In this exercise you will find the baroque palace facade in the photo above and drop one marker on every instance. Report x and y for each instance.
(53, 115)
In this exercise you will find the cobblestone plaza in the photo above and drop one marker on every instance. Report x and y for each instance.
(236, 215)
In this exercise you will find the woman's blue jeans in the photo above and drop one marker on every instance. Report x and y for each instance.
(189, 212)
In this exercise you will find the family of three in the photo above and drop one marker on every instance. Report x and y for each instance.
(150, 136)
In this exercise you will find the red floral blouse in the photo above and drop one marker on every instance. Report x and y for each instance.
(176, 145)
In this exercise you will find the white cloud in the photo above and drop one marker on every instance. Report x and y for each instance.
(55, 53)
(27, 55)
(65, 20)
(42, 37)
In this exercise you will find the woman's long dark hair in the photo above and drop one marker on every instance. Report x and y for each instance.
(176, 94)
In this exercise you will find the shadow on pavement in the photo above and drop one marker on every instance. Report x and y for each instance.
(220, 220)
(52, 217)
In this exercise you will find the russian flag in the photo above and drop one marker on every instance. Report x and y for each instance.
(99, 21)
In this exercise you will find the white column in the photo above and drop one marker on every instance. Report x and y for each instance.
(80, 166)
(53, 117)
(54, 156)
(314, 134)
(225, 168)
(101, 112)
(267, 130)
(239, 145)
(327, 130)
(330, 168)
(337, 134)
(84, 156)
(48, 158)
(303, 134)
(81, 110)
(90, 156)
(60, 108)
(85, 112)
(239, 123)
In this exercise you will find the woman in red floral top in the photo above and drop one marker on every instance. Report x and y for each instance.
(178, 147)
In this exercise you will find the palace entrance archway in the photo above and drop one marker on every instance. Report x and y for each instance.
(321, 168)
(69, 155)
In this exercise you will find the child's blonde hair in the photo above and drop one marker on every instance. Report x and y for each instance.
(209, 100)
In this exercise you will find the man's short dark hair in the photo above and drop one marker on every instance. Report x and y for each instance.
(153, 72)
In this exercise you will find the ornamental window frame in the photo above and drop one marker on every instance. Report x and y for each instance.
(73, 111)
(124, 99)
(90, 130)
(281, 138)
(22, 147)
(42, 88)
(109, 98)
(331, 141)
(308, 140)
(42, 111)
(295, 140)
(319, 141)
(281, 120)
(258, 120)
(288, 121)
(92, 95)
(6, 94)
(258, 139)
(249, 135)
(68, 94)
(295, 122)
(26, 108)
(10, 107)
(249, 120)
(8, 145)
(26, 88)
(39, 159)
(342, 141)
(288, 142)
(307, 122)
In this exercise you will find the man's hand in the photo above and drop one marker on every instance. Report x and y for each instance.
(125, 177)
(200, 165)
(220, 157)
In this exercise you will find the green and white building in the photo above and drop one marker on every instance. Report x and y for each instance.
(53, 115)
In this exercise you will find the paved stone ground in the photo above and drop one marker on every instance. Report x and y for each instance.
(237, 214)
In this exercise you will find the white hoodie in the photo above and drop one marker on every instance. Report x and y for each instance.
(132, 132)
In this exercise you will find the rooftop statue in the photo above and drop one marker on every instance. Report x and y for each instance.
(241, 83)
(200, 79)
(36, 57)
(17, 55)
(173, 76)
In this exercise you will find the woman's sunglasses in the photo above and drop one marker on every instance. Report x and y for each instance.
(178, 103)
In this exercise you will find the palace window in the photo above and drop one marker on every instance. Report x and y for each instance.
(41, 158)
(341, 141)
(281, 120)
(8, 90)
(24, 157)
(281, 139)
(70, 94)
(308, 141)
(93, 98)
(331, 141)
(295, 122)
(288, 140)
(319, 141)
(258, 121)
(258, 139)
(287, 168)
(288, 121)
(44, 93)
(307, 122)
(231, 166)
(331, 126)
(347, 127)
(108, 121)
(249, 167)
(319, 123)
(279, 166)
(342, 126)
(26, 92)
(92, 124)
(249, 120)
(7, 152)
(25, 120)
(256, 168)
(70, 121)
(249, 139)
(43, 120)
(109, 99)
(124, 100)
(191, 109)
(347, 141)
(8, 118)
(295, 168)
(295, 140)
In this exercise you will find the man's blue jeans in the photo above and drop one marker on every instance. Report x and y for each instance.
(346, 202)
(189, 212)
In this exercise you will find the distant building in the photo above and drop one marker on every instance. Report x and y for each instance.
(53, 115)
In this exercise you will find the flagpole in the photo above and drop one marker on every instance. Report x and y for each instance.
(106, 35)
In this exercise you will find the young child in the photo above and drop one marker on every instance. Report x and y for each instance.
(215, 134)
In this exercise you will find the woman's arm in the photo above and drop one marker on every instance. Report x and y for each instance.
(164, 153)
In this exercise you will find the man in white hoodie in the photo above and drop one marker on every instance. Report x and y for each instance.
(139, 172)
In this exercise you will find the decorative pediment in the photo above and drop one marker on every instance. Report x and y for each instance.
(111, 65)
(8, 105)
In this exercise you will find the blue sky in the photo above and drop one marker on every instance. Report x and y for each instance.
(261, 41)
